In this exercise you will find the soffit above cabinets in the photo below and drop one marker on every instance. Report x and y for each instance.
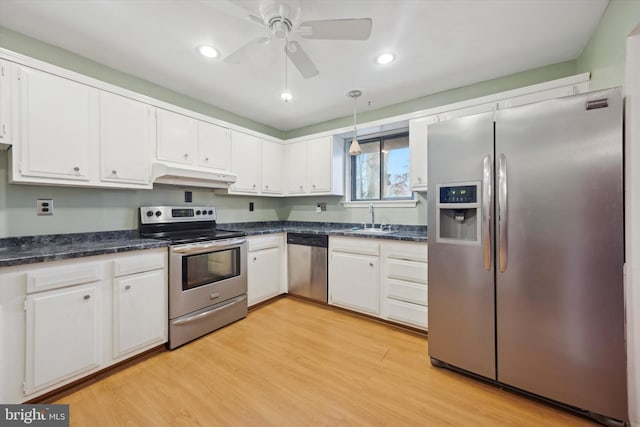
(438, 45)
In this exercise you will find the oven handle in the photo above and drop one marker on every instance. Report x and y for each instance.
(208, 313)
(216, 244)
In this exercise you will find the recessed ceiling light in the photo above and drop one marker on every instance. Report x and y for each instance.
(385, 58)
(208, 51)
(286, 96)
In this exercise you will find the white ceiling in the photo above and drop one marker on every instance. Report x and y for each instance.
(439, 45)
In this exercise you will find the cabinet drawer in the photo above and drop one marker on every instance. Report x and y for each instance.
(264, 242)
(407, 270)
(354, 245)
(412, 252)
(412, 314)
(139, 263)
(407, 291)
(62, 276)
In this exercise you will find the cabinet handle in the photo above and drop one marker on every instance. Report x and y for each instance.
(4, 129)
(76, 169)
(126, 288)
(86, 297)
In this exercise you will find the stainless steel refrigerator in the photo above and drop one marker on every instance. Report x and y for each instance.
(526, 240)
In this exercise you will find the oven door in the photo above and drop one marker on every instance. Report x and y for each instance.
(206, 273)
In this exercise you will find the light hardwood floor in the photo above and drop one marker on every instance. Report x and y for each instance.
(293, 363)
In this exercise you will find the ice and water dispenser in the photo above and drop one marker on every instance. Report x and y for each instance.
(458, 213)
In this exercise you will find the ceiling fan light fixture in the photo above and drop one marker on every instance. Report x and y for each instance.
(208, 51)
(385, 58)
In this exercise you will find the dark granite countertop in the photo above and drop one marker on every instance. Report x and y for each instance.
(53, 247)
(33, 249)
(412, 233)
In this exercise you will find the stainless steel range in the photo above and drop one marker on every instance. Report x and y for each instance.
(207, 269)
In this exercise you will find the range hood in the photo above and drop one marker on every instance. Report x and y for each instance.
(175, 175)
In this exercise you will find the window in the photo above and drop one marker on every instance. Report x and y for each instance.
(381, 172)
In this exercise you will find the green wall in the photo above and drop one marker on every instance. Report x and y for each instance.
(80, 210)
(604, 55)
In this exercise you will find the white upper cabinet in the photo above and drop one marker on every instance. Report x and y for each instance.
(272, 161)
(5, 102)
(126, 138)
(245, 162)
(57, 126)
(214, 146)
(315, 166)
(177, 137)
(296, 171)
(418, 151)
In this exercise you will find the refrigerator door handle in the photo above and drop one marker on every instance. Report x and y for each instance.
(503, 218)
(487, 209)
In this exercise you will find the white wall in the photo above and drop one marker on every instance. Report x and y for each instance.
(632, 193)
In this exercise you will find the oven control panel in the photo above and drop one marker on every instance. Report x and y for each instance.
(173, 214)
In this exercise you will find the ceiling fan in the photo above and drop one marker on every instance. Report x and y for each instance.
(280, 20)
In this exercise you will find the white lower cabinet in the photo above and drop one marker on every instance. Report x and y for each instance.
(354, 277)
(404, 276)
(265, 267)
(62, 320)
(139, 311)
(63, 335)
(384, 278)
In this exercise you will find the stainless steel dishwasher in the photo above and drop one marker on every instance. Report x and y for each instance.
(307, 265)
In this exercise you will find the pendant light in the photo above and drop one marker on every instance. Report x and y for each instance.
(286, 96)
(354, 148)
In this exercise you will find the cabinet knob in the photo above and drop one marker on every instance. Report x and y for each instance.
(86, 297)
(314, 186)
(255, 259)
(370, 264)
(206, 159)
(266, 187)
(254, 186)
(76, 169)
(186, 156)
(301, 187)
(126, 288)
(114, 172)
(419, 179)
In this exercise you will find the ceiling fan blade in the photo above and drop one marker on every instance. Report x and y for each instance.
(337, 29)
(301, 60)
(246, 51)
(255, 19)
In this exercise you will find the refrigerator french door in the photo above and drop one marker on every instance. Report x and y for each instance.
(526, 246)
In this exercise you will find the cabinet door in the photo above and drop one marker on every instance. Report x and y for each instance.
(264, 274)
(126, 134)
(139, 311)
(177, 135)
(57, 120)
(319, 159)
(214, 146)
(63, 335)
(296, 167)
(245, 162)
(354, 282)
(272, 160)
(5, 102)
(418, 152)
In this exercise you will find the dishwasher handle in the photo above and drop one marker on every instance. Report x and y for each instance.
(308, 239)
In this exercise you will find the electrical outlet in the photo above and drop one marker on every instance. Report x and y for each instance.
(251, 208)
(44, 207)
(188, 197)
(321, 207)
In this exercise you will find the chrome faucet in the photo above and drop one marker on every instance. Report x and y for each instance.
(372, 215)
